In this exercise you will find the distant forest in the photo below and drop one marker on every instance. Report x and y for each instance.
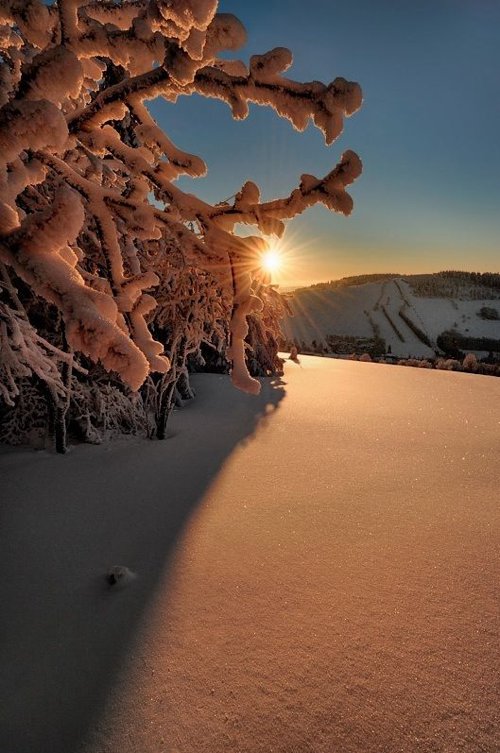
(345, 282)
(446, 284)
(474, 286)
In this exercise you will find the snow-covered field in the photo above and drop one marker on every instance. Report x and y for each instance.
(342, 311)
(315, 572)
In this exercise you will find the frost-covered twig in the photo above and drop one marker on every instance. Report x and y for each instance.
(23, 352)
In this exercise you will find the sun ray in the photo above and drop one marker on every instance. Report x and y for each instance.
(284, 261)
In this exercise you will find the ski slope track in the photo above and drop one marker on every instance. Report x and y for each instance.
(317, 313)
(315, 571)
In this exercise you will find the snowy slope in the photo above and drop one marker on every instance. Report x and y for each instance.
(347, 311)
(321, 579)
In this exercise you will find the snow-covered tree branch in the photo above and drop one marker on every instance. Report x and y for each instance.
(81, 159)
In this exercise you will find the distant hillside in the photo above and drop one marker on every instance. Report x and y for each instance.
(462, 285)
(406, 315)
(344, 282)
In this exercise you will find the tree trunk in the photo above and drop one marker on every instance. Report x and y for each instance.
(168, 395)
(57, 419)
(185, 390)
(166, 404)
(60, 429)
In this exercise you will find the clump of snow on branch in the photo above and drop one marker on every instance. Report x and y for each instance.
(81, 159)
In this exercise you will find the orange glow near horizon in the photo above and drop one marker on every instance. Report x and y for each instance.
(295, 261)
(316, 259)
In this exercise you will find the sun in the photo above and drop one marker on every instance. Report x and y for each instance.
(271, 261)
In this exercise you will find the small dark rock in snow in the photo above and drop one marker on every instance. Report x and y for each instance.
(119, 575)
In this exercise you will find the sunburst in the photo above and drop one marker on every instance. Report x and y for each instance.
(271, 260)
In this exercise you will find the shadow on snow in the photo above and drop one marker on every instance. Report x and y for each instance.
(65, 520)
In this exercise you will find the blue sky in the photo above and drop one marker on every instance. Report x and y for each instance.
(428, 132)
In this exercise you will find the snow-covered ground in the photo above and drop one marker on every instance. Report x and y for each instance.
(316, 570)
(342, 311)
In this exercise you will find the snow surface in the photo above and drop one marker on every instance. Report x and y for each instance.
(315, 570)
(341, 311)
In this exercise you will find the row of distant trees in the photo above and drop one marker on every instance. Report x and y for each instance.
(446, 284)
(456, 284)
(361, 351)
(352, 280)
(450, 344)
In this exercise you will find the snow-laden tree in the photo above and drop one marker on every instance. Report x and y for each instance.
(104, 260)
